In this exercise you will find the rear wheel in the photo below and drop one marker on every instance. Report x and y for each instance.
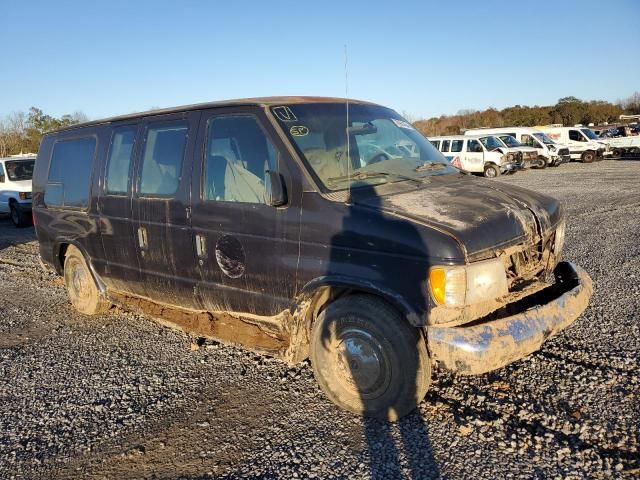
(19, 218)
(588, 156)
(491, 171)
(81, 286)
(617, 153)
(368, 359)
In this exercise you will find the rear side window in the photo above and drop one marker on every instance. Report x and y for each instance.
(445, 146)
(119, 160)
(70, 173)
(435, 143)
(162, 159)
(456, 145)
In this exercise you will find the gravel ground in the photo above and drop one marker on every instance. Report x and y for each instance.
(119, 396)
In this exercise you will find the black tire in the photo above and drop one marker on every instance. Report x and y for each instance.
(19, 218)
(491, 171)
(617, 153)
(588, 156)
(367, 359)
(81, 286)
(541, 163)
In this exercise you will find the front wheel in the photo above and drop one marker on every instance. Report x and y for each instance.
(588, 156)
(367, 358)
(18, 217)
(81, 286)
(491, 171)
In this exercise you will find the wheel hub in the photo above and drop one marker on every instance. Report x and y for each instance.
(361, 365)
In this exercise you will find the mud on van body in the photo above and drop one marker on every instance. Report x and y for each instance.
(289, 227)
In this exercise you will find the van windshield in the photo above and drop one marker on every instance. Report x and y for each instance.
(510, 141)
(20, 169)
(544, 138)
(589, 133)
(375, 145)
(491, 143)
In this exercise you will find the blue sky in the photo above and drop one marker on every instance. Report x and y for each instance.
(424, 58)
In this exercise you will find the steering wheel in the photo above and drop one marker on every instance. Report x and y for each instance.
(379, 156)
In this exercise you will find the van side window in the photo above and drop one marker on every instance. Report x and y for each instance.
(456, 145)
(162, 159)
(529, 141)
(238, 153)
(445, 146)
(70, 173)
(435, 143)
(119, 159)
(576, 136)
(474, 146)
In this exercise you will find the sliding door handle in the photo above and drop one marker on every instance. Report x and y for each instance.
(201, 246)
(142, 238)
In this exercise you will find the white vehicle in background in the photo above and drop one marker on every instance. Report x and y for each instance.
(553, 153)
(486, 155)
(15, 188)
(582, 142)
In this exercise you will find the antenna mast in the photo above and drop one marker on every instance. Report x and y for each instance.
(346, 95)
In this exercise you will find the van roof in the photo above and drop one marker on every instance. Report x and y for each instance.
(255, 101)
(18, 157)
(459, 137)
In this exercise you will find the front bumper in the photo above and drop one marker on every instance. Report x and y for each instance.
(492, 344)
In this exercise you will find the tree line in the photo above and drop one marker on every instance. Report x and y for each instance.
(21, 132)
(568, 111)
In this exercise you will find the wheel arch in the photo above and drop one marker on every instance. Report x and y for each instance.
(60, 248)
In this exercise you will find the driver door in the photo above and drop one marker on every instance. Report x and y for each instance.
(474, 156)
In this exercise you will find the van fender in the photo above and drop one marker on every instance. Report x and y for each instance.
(57, 247)
(346, 282)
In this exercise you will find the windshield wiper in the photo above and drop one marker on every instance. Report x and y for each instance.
(429, 166)
(359, 175)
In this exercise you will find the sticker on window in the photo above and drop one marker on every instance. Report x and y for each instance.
(299, 131)
(402, 124)
(284, 113)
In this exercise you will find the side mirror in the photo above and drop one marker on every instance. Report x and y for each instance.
(275, 189)
(478, 149)
(1, 177)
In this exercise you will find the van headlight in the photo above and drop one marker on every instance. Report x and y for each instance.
(468, 284)
(559, 241)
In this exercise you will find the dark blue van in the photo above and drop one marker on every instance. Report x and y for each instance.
(307, 227)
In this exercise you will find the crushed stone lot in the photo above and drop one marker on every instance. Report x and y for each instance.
(120, 396)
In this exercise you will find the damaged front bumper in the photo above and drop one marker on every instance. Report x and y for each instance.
(482, 347)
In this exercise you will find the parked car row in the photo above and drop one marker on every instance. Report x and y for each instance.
(496, 151)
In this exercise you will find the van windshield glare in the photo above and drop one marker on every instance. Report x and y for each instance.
(544, 138)
(510, 141)
(376, 146)
(589, 133)
(491, 143)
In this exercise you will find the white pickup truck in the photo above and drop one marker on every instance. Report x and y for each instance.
(15, 188)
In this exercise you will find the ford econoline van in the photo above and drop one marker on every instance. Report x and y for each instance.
(553, 153)
(485, 155)
(15, 188)
(583, 144)
(307, 227)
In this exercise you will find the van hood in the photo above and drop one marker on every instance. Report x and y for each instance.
(483, 215)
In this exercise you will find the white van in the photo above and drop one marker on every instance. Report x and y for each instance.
(15, 188)
(554, 153)
(486, 154)
(582, 142)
